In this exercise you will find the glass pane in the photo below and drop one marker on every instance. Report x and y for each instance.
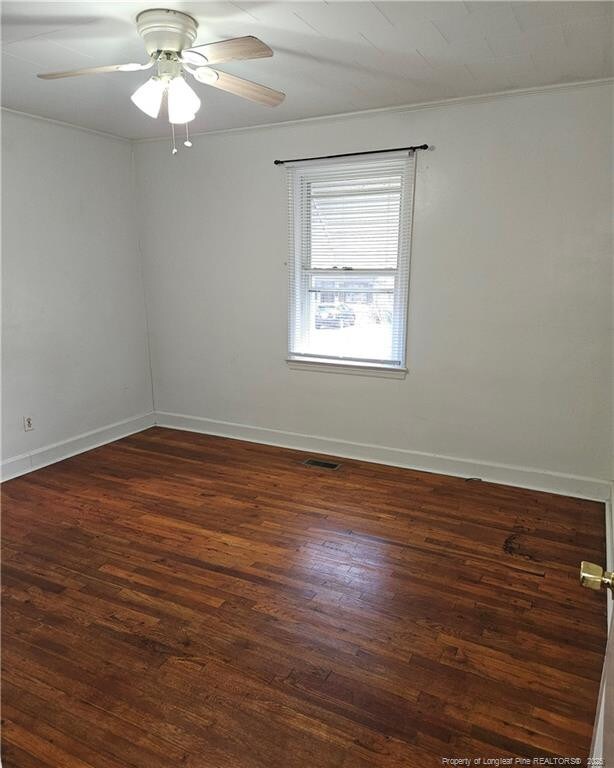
(355, 223)
(349, 318)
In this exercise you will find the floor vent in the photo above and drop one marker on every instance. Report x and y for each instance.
(321, 464)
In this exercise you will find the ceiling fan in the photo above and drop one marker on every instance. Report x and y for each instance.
(169, 36)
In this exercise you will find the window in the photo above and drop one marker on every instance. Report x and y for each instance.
(350, 232)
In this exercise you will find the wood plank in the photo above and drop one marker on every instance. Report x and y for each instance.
(174, 599)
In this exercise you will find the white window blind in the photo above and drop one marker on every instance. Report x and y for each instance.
(350, 233)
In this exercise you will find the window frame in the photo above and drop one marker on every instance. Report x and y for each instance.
(301, 272)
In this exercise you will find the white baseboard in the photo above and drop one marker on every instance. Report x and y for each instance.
(522, 477)
(49, 454)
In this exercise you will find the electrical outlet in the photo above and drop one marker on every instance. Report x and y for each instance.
(28, 424)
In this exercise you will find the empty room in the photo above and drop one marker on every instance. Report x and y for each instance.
(307, 384)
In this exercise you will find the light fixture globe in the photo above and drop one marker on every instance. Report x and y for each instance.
(148, 98)
(183, 103)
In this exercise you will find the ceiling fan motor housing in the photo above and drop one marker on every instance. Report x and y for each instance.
(166, 30)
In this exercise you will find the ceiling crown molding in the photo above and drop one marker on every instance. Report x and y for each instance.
(105, 134)
(400, 109)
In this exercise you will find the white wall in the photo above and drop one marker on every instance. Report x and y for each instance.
(74, 348)
(509, 344)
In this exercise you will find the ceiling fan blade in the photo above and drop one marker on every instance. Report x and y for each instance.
(240, 87)
(96, 70)
(238, 48)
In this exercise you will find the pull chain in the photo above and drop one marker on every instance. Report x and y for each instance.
(186, 143)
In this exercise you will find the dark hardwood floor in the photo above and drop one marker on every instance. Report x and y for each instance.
(174, 600)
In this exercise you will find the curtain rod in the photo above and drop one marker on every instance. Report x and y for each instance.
(353, 154)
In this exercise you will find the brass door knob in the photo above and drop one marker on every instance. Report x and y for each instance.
(594, 577)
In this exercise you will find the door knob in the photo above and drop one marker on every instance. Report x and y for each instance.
(594, 577)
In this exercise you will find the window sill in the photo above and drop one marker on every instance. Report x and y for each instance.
(354, 369)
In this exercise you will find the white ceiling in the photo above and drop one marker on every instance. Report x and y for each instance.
(330, 57)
